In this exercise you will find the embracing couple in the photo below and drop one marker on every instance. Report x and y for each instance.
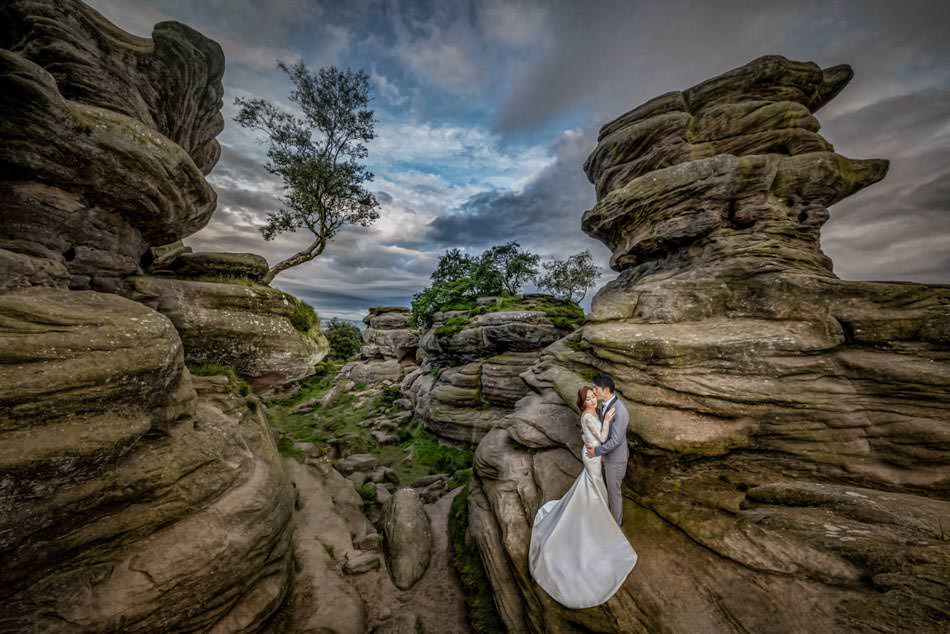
(578, 552)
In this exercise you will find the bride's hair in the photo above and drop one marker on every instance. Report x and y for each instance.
(582, 396)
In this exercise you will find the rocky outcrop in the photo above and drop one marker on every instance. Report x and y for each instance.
(133, 497)
(788, 431)
(170, 82)
(261, 332)
(389, 348)
(95, 171)
(343, 584)
(132, 493)
(471, 376)
(182, 262)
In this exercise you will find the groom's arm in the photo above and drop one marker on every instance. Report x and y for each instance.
(618, 431)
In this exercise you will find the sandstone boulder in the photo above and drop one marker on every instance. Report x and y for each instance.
(93, 174)
(188, 264)
(170, 83)
(109, 498)
(778, 415)
(389, 348)
(253, 328)
(408, 538)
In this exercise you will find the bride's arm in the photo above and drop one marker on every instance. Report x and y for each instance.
(601, 438)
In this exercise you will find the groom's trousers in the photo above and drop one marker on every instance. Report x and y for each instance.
(613, 478)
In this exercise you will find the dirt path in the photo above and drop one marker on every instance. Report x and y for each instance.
(437, 598)
(327, 599)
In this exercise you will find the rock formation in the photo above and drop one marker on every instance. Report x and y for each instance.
(106, 138)
(408, 537)
(788, 431)
(471, 374)
(389, 349)
(133, 497)
(266, 335)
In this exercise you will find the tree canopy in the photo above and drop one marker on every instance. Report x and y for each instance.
(317, 155)
(459, 277)
(569, 278)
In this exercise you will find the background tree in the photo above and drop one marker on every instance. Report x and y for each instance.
(345, 339)
(458, 279)
(513, 267)
(317, 156)
(570, 278)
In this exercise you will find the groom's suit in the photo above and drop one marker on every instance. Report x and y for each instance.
(615, 453)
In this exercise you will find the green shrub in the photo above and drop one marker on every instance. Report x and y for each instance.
(389, 395)
(368, 492)
(345, 339)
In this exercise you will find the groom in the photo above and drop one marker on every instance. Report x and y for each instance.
(614, 449)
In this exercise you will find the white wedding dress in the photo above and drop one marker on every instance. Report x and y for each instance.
(578, 554)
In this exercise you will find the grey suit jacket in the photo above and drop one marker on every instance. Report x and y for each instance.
(614, 449)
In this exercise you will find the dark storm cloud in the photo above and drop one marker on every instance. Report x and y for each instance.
(475, 99)
(544, 215)
(604, 58)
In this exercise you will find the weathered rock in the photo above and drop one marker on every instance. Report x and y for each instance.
(405, 623)
(246, 327)
(108, 497)
(384, 438)
(501, 382)
(187, 264)
(170, 83)
(778, 415)
(389, 349)
(373, 371)
(408, 538)
(19, 270)
(362, 462)
(371, 541)
(357, 562)
(85, 184)
(329, 524)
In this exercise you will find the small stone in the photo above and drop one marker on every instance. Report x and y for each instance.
(357, 462)
(425, 481)
(359, 561)
(371, 541)
(384, 438)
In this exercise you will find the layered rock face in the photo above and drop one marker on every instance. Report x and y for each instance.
(389, 349)
(471, 376)
(251, 328)
(133, 498)
(106, 138)
(788, 429)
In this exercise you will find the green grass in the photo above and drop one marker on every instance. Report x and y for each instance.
(322, 424)
(230, 279)
(451, 326)
(482, 614)
(210, 368)
(432, 454)
(304, 317)
(563, 314)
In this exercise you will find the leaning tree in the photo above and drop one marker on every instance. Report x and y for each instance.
(317, 156)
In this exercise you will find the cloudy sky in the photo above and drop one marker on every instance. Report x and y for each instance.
(486, 111)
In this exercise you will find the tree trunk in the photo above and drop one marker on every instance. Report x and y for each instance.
(315, 249)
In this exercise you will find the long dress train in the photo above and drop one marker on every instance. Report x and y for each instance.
(578, 554)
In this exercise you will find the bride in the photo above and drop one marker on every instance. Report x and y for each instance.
(578, 553)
